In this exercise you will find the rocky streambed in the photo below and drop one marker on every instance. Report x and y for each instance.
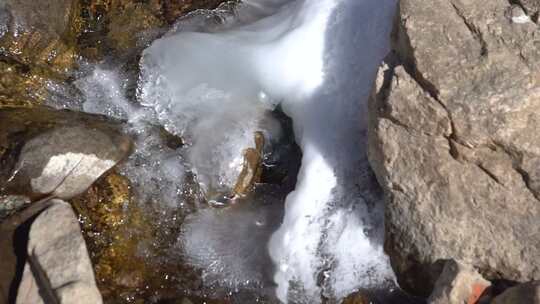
(205, 152)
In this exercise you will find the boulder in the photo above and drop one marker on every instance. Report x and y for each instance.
(458, 284)
(58, 268)
(454, 141)
(527, 293)
(56, 153)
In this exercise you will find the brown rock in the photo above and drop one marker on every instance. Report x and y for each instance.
(252, 167)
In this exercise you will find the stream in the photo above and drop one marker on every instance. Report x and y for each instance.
(299, 72)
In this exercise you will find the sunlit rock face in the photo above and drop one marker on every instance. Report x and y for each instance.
(214, 83)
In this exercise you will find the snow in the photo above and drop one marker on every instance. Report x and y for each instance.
(213, 85)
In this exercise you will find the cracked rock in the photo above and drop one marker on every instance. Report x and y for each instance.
(454, 141)
(56, 153)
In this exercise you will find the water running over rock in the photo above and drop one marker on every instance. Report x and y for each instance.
(317, 59)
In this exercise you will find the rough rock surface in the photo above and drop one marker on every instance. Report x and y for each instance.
(528, 293)
(58, 269)
(458, 284)
(454, 141)
(57, 153)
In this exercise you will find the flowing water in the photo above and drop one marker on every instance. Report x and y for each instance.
(215, 79)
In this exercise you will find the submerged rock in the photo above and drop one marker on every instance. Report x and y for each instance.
(41, 33)
(56, 153)
(125, 26)
(58, 269)
(454, 141)
(38, 47)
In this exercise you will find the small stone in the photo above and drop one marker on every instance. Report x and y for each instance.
(527, 293)
(458, 284)
(58, 268)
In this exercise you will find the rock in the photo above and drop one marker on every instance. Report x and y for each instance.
(453, 141)
(9, 204)
(527, 293)
(532, 7)
(356, 298)
(14, 232)
(251, 168)
(458, 284)
(56, 153)
(58, 269)
(42, 33)
(126, 26)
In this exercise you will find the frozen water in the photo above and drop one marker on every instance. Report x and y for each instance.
(317, 58)
(229, 244)
(155, 170)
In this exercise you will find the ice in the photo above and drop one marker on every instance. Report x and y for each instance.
(229, 245)
(213, 83)
(155, 170)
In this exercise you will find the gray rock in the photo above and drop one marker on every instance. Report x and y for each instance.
(57, 153)
(527, 293)
(458, 284)
(58, 269)
(14, 230)
(454, 141)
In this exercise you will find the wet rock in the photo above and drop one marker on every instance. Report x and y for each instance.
(173, 9)
(20, 86)
(251, 168)
(458, 284)
(42, 33)
(526, 293)
(453, 141)
(56, 153)
(356, 298)
(126, 26)
(58, 269)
